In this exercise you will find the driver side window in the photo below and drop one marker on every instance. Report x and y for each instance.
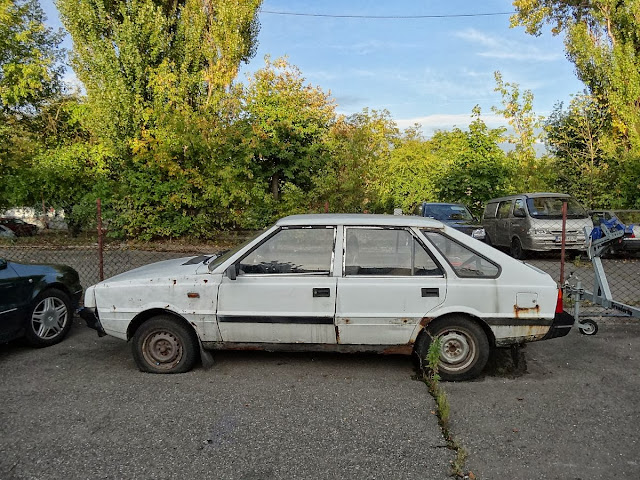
(292, 251)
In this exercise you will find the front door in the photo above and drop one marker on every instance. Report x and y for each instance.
(284, 292)
(390, 282)
(503, 236)
(13, 299)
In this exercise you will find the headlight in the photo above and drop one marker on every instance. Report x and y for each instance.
(90, 297)
(478, 234)
(538, 231)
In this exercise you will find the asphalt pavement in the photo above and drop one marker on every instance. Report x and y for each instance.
(574, 415)
(81, 410)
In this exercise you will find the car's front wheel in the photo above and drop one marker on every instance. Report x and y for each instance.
(50, 318)
(464, 347)
(164, 344)
(516, 249)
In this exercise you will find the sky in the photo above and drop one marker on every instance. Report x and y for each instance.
(431, 71)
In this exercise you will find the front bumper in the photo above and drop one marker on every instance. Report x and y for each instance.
(562, 323)
(90, 316)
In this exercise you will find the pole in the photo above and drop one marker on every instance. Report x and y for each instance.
(100, 245)
(564, 241)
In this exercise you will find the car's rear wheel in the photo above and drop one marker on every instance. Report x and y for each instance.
(164, 344)
(49, 319)
(516, 249)
(464, 349)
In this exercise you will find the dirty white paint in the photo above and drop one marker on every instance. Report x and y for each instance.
(354, 310)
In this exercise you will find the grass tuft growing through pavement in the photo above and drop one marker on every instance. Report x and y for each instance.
(432, 378)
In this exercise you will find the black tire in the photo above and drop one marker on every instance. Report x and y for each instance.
(516, 249)
(588, 327)
(164, 344)
(465, 348)
(49, 319)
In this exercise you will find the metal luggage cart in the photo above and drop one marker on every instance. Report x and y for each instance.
(601, 294)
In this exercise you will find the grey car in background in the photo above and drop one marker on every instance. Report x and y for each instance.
(533, 222)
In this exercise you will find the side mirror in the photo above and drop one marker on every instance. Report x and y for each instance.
(519, 212)
(3, 264)
(231, 272)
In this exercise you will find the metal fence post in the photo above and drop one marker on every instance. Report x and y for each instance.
(100, 243)
(564, 241)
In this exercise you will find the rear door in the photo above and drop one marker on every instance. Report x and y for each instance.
(284, 291)
(390, 281)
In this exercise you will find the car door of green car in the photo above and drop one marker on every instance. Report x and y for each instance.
(14, 300)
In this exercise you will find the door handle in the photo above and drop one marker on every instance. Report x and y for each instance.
(430, 292)
(321, 292)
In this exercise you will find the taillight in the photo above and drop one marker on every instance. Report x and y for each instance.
(559, 305)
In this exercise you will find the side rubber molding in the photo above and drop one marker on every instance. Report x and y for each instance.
(562, 323)
(90, 315)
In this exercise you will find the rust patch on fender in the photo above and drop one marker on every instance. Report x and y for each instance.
(518, 310)
(424, 322)
(175, 281)
(205, 280)
(337, 334)
(398, 350)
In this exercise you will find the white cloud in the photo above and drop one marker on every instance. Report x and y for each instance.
(498, 47)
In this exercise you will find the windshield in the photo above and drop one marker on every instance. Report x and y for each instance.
(225, 254)
(551, 207)
(447, 212)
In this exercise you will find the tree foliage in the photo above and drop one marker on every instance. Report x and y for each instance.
(602, 39)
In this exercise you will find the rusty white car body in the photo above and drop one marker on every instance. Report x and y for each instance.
(333, 282)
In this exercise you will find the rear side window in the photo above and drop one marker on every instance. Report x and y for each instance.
(504, 209)
(464, 261)
(490, 210)
(386, 252)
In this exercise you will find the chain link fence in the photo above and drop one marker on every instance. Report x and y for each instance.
(622, 265)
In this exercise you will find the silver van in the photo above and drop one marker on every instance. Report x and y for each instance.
(533, 222)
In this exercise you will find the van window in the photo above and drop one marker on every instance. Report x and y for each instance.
(551, 207)
(504, 209)
(490, 210)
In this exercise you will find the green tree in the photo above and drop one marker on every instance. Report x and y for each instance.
(517, 108)
(353, 179)
(29, 72)
(477, 169)
(602, 39)
(577, 136)
(288, 123)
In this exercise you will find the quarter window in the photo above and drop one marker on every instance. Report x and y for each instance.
(378, 251)
(465, 262)
(292, 251)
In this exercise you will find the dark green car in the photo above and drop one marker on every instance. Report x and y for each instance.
(37, 302)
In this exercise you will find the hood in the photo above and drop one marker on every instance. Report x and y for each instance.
(466, 226)
(177, 267)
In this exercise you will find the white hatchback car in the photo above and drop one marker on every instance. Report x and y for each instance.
(333, 282)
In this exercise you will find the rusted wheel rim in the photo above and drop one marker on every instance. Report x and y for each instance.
(457, 351)
(162, 349)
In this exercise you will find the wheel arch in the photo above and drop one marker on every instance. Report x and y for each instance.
(485, 327)
(50, 286)
(142, 317)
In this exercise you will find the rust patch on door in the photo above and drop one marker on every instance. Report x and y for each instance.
(523, 310)
(337, 334)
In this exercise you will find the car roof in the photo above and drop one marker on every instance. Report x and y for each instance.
(360, 219)
(530, 195)
(444, 204)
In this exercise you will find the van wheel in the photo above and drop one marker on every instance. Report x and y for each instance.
(516, 249)
(465, 347)
(163, 344)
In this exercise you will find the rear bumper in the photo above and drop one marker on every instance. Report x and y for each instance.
(562, 323)
(90, 316)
